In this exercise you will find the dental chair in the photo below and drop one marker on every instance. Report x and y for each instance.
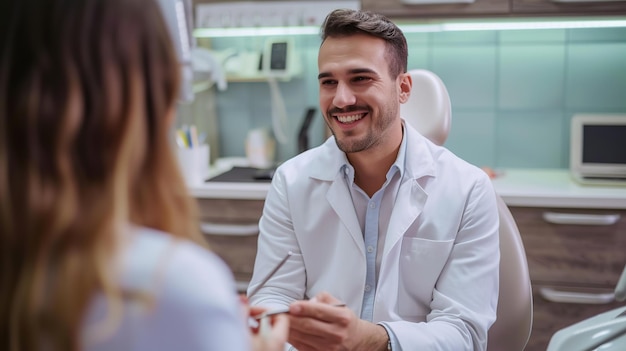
(605, 331)
(428, 110)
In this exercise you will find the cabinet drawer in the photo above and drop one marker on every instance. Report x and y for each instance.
(573, 254)
(239, 253)
(230, 227)
(550, 317)
(230, 210)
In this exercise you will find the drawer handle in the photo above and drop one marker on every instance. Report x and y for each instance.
(580, 218)
(575, 297)
(229, 229)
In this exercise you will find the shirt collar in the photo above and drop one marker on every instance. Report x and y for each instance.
(398, 166)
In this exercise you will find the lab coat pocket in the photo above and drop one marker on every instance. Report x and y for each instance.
(421, 263)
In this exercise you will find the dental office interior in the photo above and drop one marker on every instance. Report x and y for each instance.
(526, 80)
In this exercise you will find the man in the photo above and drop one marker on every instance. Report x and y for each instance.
(379, 218)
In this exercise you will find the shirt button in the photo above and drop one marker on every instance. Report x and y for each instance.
(370, 249)
(372, 205)
(368, 288)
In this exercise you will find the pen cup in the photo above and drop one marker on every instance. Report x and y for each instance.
(194, 163)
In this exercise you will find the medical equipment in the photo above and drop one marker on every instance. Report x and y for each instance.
(606, 331)
(177, 15)
(278, 63)
(597, 144)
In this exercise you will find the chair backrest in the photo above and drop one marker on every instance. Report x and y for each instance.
(428, 110)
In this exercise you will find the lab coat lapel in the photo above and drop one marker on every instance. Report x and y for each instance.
(410, 202)
(325, 168)
(411, 197)
(340, 200)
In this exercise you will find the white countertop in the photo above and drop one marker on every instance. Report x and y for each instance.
(555, 188)
(518, 187)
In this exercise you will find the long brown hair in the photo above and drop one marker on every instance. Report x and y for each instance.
(87, 89)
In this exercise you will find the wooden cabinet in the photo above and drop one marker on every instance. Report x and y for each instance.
(494, 8)
(398, 9)
(555, 7)
(574, 266)
(231, 229)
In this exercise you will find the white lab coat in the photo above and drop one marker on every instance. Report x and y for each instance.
(438, 281)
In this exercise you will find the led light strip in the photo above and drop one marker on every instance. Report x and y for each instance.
(414, 28)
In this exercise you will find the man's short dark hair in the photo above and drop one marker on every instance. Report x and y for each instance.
(345, 22)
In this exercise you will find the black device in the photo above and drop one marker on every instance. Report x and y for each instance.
(303, 135)
(278, 56)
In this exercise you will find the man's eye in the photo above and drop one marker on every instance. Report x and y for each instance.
(328, 82)
(360, 79)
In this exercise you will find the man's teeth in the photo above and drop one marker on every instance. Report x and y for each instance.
(351, 118)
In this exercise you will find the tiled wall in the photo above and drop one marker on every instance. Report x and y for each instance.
(513, 92)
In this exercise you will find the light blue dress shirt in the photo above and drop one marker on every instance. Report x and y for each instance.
(374, 214)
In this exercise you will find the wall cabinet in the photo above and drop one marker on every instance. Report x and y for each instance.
(555, 7)
(575, 258)
(230, 226)
(398, 9)
(494, 8)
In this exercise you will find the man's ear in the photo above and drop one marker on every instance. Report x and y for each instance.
(406, 84)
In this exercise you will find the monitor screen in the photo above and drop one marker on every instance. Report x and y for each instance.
(598, 147)
(604, 144)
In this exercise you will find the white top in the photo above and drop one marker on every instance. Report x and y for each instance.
(195, 303)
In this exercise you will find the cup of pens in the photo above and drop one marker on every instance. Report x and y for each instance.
(193, 155)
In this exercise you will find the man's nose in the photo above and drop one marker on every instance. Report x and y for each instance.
(343, 96)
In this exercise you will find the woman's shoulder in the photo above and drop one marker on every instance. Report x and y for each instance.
(187, 298)
(156, 261)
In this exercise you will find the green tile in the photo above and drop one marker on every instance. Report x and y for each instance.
(530, 140)
(419, 57)
(465, 37)
(596, 76)
(595, 35)
(472, 137)
(531, 77)
(417, 39)
(532, 36)
(469, 73)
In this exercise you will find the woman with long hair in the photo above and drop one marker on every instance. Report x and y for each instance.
(99, 240)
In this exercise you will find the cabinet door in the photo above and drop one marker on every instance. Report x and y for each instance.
(577, 254)
(398, 9)
(574, 266)
(231, 230)
(550, 317)
(556, 7)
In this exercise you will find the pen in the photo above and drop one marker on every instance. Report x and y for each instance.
(280, 264)
(286, 310)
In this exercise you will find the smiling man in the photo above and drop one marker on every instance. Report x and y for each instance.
(399, 229)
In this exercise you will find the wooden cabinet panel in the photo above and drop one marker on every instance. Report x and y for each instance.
(580, 255)
(397, 9)
(230, 210)
(549, 317)
(586, 260)
(550, 7)
(230, 227)
(238, 252)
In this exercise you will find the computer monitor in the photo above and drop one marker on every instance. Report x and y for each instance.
(598, 148)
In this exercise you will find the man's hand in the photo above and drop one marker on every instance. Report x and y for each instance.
(271, 332)
(317, 325)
